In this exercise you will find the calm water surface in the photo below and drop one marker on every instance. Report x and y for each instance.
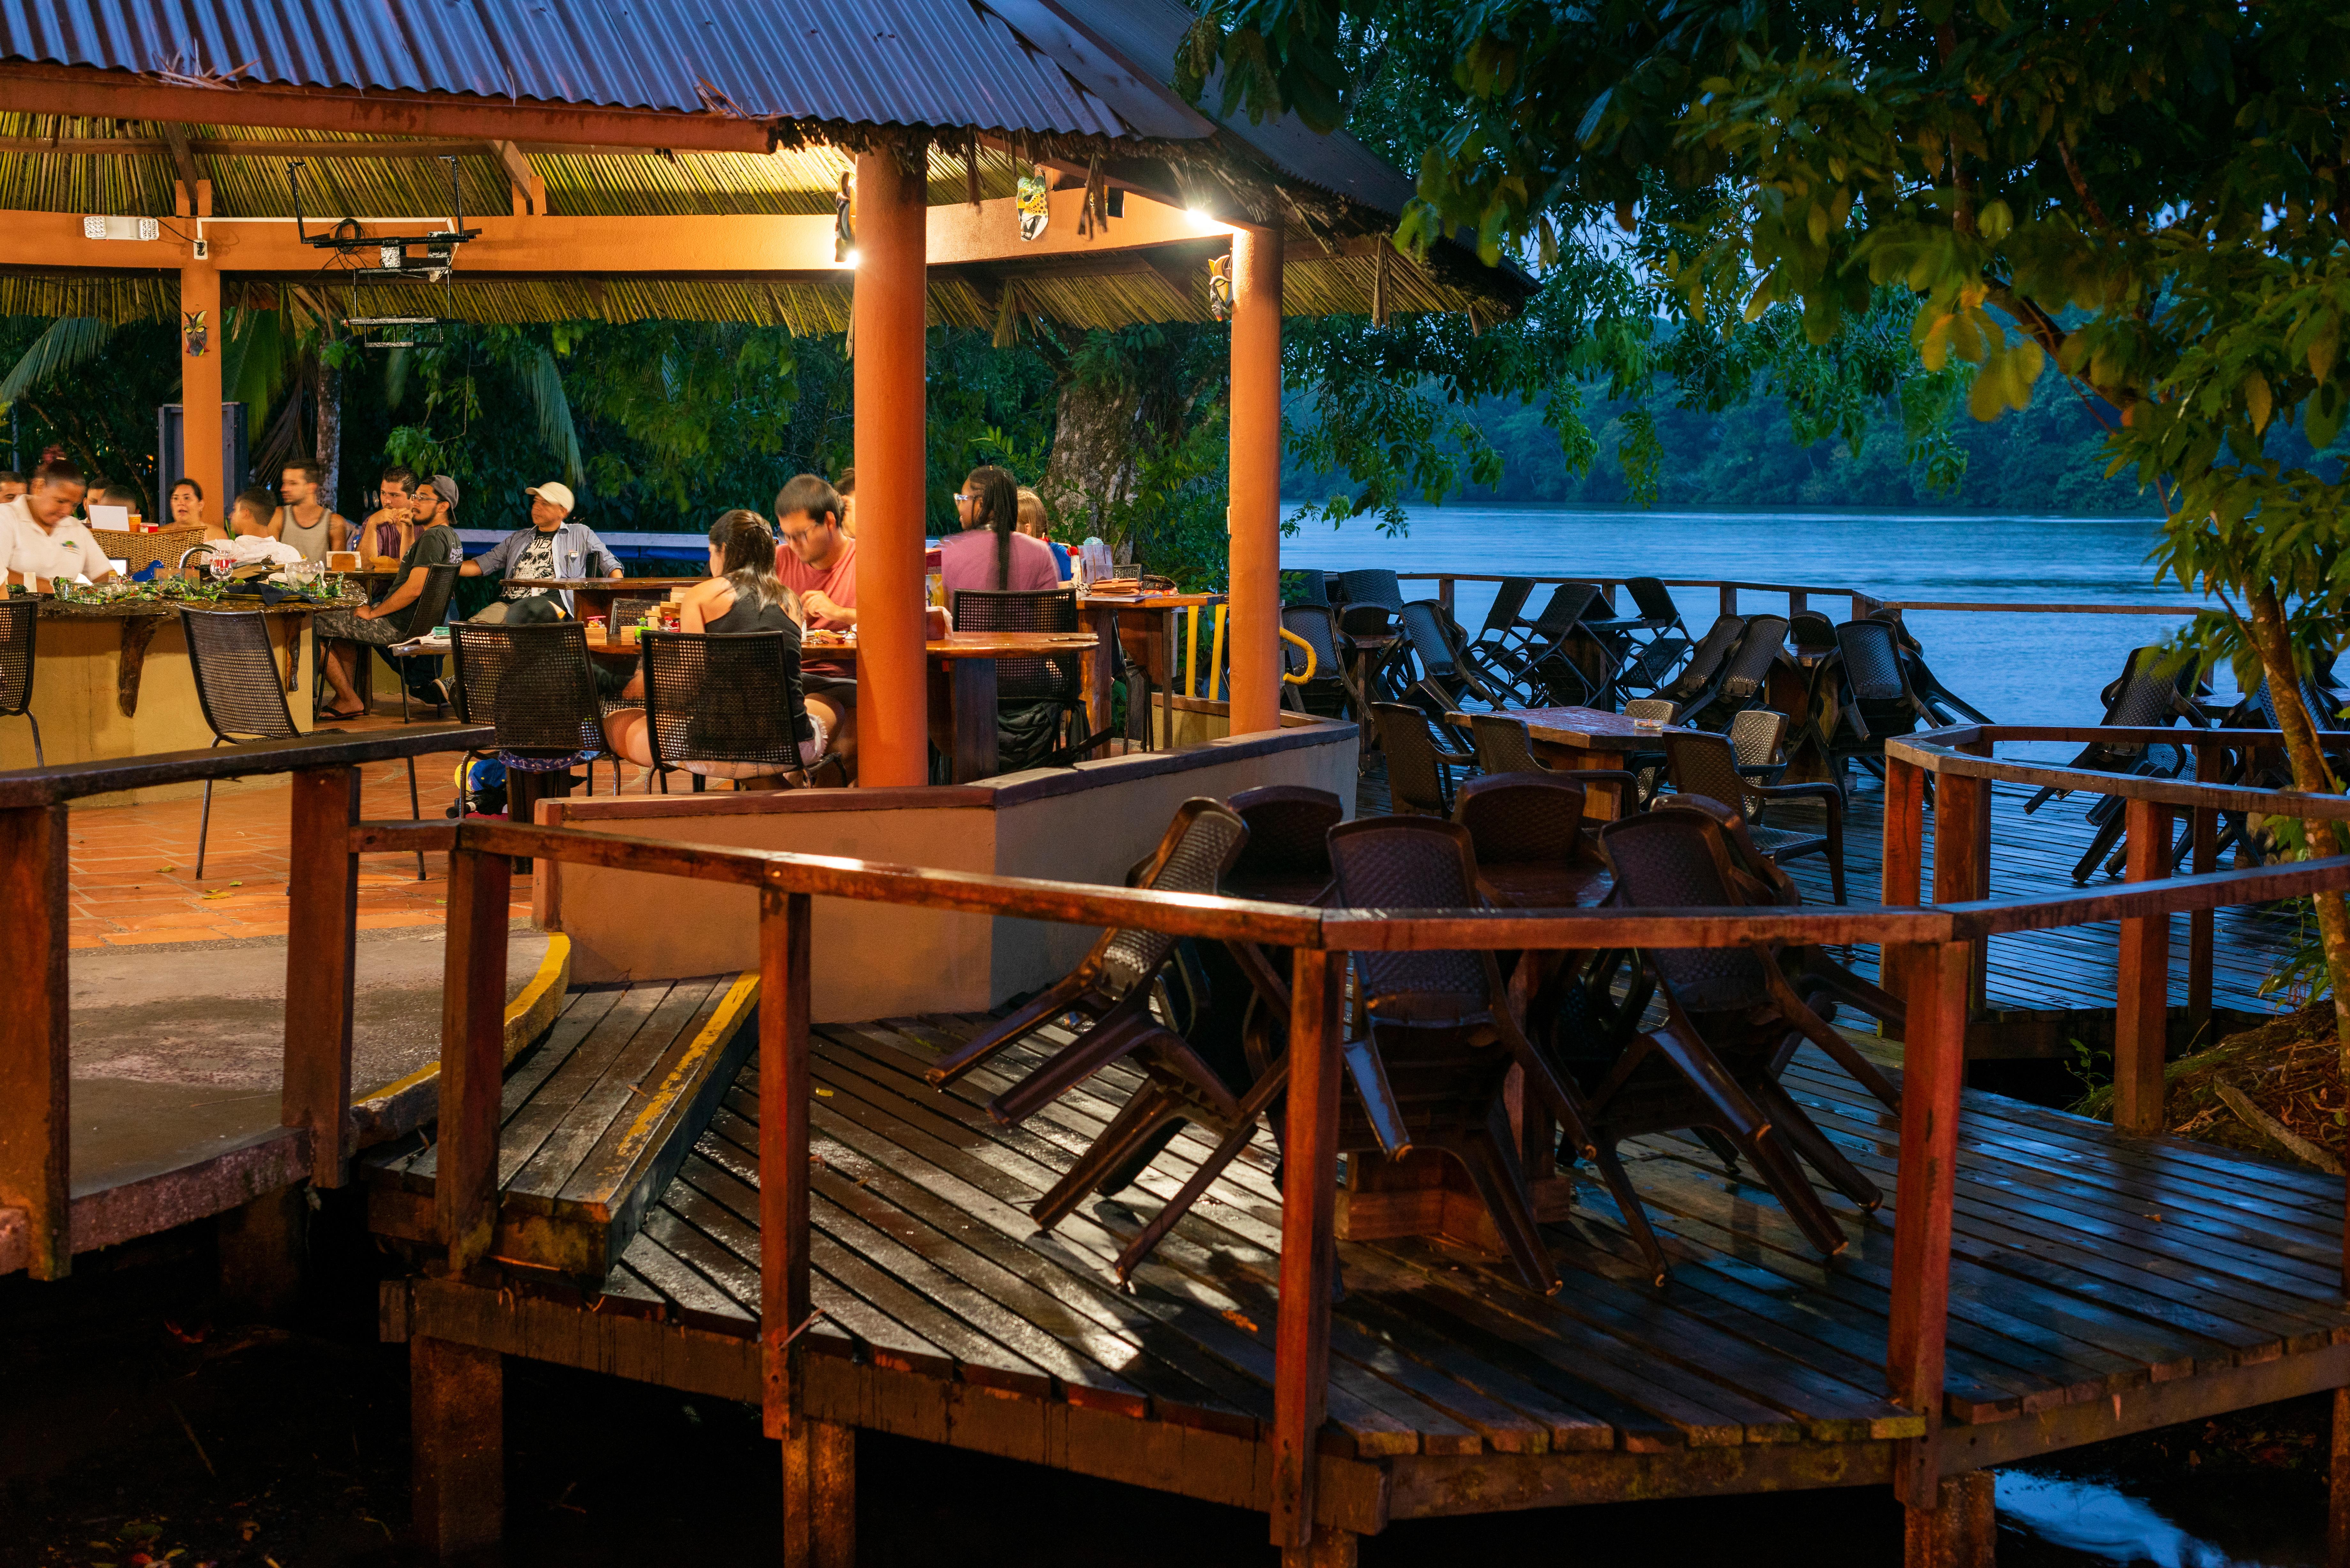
(2018, 669)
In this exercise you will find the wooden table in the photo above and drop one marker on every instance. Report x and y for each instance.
(1575, 740)
(1149, 637)
(594, 595)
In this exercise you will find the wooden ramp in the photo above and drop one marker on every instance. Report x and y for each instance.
(2099, 1285)
(597, 1115)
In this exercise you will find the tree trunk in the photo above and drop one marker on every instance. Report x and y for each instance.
(1091, 474)
(328, 393)
(2310, 776)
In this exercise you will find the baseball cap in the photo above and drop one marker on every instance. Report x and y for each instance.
(446, 486)
(554, 495)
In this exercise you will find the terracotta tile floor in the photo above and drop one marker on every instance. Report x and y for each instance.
(133, 877)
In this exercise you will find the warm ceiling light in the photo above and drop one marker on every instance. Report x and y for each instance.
(1199, 215)
(850, 260)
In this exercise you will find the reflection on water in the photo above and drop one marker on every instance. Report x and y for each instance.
(2018, 669)
(2097, 1520)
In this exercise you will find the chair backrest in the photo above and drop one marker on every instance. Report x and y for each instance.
(19, 627)
(1319, 627)
(140, 551)
(1050, 678)
(1509, 600)
(1759, 648)
(1514, 818)
(238, 683)
(1653, 600)
(1703, 764)
(432, 605)
(1415, 782)
(629, 612)
(1756, 735)
(1288, 830)
(1193, 855)
(1411, 863)
(1873, 669)
(1655, 708)
(533, 683)
(1671, 857)
(1302, 586)
(1705, 660)
(1424, 624)
(1372, 586)
(1568, 604)
(722, 697)
(2324, 703)
(1504, 744)
(2146, 696)
(1812, 632)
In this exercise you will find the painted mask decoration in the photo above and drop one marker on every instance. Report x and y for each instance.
(1036, 209)
(198, 334)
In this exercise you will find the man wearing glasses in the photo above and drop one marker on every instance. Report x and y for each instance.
(821, 565)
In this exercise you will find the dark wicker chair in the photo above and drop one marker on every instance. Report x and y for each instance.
(535, 686)
(1448, 680)
(2151, 692)
(1500, 629)
(19, 630)
(244, 696)
(1746, 678)
(1111, 986)
(1420, 764)
(1023, 685)
(1710, 1067)
(1812, 633)
(1369, 604)
(1703, 671)
(419, 672)
(1332, 690)
(723, 702)
(1504, 745)
(1541, 661)
(1706, 765)
(1871, 698)
(1647, 643)
(1305, 586)
(1287, 858)
(1534, 851)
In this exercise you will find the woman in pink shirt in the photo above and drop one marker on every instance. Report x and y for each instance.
(991, 553)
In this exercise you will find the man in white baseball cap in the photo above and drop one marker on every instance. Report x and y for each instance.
(552, 547)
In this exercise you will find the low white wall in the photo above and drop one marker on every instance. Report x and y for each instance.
(1087, 823)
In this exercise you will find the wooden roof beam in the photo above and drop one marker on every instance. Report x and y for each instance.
(529, 190)
(183, 163)
(254, 147)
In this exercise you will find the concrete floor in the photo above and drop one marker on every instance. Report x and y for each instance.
(177, 1049)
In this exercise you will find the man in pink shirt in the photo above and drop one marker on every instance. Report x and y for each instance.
(822, 564)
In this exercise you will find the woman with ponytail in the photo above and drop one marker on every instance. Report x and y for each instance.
(991, 553)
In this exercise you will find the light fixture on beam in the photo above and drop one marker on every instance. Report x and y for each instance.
(111, 228)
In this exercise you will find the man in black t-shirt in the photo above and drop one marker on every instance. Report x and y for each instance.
(386, 622)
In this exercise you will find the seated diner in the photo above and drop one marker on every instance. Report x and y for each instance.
(991, 553)
(744, 594)
(187, 504)
(306, 520)
(553, 547)
(389, 529)
(345, 634)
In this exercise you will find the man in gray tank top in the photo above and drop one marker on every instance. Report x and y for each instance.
(306, 520)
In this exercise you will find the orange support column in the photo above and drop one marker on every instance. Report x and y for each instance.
(200, 390)
(892, 283)
(1255, 626)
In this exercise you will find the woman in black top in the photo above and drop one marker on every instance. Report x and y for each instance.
(744, 594)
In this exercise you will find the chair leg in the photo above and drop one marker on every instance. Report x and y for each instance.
(1036, 1011)
(38, 760)
(1118, 1033)
(204, 828)
(1493, 1169)
(1627, 1204)
(415, 812)
(1151, 1108)
(1804, 1136)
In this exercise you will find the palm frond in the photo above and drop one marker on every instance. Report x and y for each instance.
(542, 380)
(70, 341)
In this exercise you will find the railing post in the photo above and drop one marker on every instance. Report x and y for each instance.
(34, 1032)
(1798, 601)
(1730, 598)
(472, 1055)
(819, 1457)
(2142, 989)
(1444, 593)
(1934, 1064)
(1904, 859)
(322, 915)
(1301, 1373)
(1962, 856)
(2203, 823)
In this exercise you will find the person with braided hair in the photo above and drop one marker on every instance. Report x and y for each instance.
(991, 553)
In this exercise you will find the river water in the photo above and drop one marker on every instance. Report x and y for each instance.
(2018, 669)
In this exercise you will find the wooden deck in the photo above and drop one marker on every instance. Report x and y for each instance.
(596, 1118)
(2041, 975)
(2100, 1285)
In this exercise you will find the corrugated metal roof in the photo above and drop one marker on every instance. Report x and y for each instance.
(875, 62)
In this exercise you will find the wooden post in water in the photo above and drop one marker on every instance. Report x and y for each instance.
(1903, 861)
(1961, 1532)
(2142, 987)
(819, 1457)
(1934, 1069)
(1301, 1371)
(456, 1392)
(321, 955)
(35, 1031)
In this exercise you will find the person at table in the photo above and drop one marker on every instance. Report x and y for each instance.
(348, 633)
(1033, 523)
(991, 553)
(121, 496)
(250, 539)
(42, 542)
(306, 520)
(846, 487)
(187, 504)
(822, 566)
(743, 593)
(389, 529)
(553, 547)
(12, 484)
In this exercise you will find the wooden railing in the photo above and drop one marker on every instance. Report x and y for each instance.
(1930, 953)
(1798, 594)
(322, 935)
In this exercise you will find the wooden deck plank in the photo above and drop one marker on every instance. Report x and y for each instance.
(583, 1123)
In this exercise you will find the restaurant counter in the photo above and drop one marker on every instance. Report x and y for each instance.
(113, 680)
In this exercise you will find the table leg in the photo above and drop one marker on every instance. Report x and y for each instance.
(1102, 621)
(972, 682)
